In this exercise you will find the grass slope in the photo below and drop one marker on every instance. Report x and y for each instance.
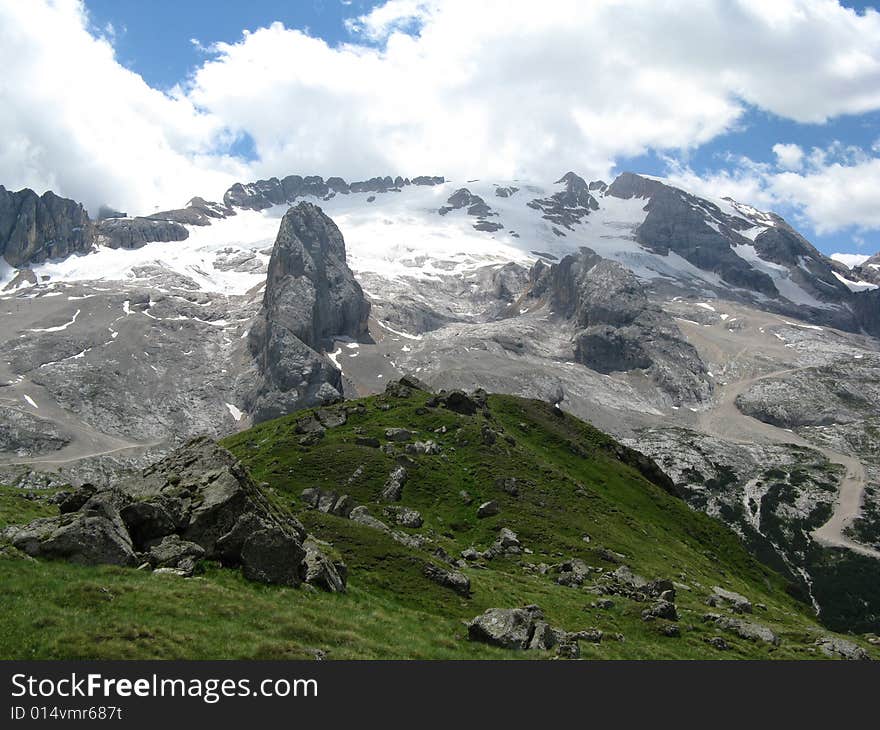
(571, 484)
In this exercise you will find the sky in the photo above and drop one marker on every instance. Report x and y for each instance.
(141, 106)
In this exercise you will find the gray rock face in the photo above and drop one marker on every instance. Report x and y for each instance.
(569, 206)
(311, 295)
(28, 435)
(837, 393)
(136, 232)
(264, 194)
(617, 328)
(272, 555)
(475, 206)
(198, 212)
(676, 222)
(34, 228)
(703, 234)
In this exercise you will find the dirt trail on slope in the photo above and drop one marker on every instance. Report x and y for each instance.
(726, 421)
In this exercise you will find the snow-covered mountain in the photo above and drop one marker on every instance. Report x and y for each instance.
(706, 333)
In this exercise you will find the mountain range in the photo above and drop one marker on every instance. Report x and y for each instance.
(708, 335)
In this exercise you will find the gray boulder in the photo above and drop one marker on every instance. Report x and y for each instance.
(488, 509)
(838, 648)
(509, 628)
(320, 571)
(392, 491)
(738, 602)
(452, 579)
(272, 555)
(95, 535)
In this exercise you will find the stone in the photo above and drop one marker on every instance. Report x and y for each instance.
(509, 628)
(744, 629)
(369, 441)
(320, 571)
(147, 521)
(172, 552)
(362, 516)
(660, 609)
(392, 490)
(544, 637)
(837, 648)
(488, 509)
(452, 579)
(404, 516)
(738, 602)
(87, 537)
(716, 642)
(568, 649)
(423, 447)
(398, 434)
(273, 556)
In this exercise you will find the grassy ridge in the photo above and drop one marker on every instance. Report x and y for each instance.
(575, 498)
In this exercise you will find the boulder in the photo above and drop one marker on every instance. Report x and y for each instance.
(362, 516)
(451, 579)
(488, 509)
(172, 551)
(392, 491)
(272, 555)
(738, 602)
(509, 628)
(543, 637)
(320, 571)
(744, 629)
(838, 648)
(660, 609)
(404, 516)
(398, 434)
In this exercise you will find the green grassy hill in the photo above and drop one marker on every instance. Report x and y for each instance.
(566, 489)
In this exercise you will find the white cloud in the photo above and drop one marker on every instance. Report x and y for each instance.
(834, 189)
(495, 88)
(789, 156)
(73, 120)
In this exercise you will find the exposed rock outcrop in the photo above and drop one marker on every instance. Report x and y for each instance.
(616, 327)
(34, 228)
(199, 502)
(311, 296)
(569, 206)
(137, 232)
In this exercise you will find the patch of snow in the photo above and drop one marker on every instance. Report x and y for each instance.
(31, 401)
(850, 259)
(234, 412)
(59, 328)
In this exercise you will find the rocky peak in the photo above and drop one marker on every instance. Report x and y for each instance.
(34, 227)
(629, 185)
(570, 205)
(311, 297)
(616, 327)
